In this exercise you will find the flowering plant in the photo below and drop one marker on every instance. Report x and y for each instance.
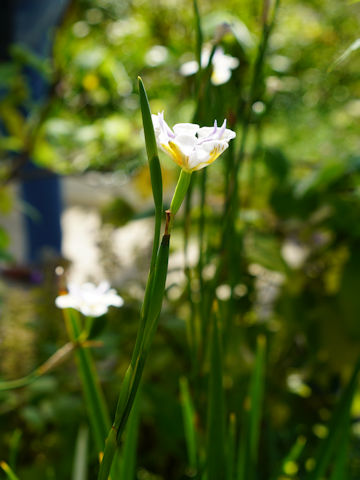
(190, 146)
(89, 299)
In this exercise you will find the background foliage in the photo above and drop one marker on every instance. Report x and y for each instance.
(294, 270)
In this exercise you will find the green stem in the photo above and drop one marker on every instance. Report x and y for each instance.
(134, 372)
(8, 471)
(180, 192)
(191, 326)
(203, 317)
(95, 402)
(58, 357)
(254, 86)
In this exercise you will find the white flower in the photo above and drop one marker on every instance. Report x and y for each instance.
(89, 299)
(222, 65)
(190, 146)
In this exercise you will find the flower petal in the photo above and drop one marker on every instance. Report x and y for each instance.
(220, 75)
(189, 68)
(206, 153)
(66, 301)
(186, 128)
(93, 310)
(185, 143)
(205, 132)
(103, 287)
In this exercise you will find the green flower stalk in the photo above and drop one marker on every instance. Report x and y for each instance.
(92, 301)
(192, 148)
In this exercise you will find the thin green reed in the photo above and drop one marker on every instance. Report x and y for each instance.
(157, 190)
(293, 456)
(231, 448)
(232, 201)
(154, 292)
(200, 267)
(95, 403)
(268, 23)
(215, 444)
(62, 354)
(128, 457)
(192, 334)
(80, 464)
(188, 413)
(249, 438)
(328, 448)
(199, 34)
(202, 115)
(10, 475)
(341, 468)
(230, 243)
(14, 446)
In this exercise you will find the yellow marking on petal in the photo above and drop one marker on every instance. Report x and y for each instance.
(171, 153)
(176, 154)
(214, 154)
(179, 157)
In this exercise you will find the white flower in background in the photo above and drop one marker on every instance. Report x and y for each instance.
(157, 55)
(190, 146)
(222, 65)
(89, 299)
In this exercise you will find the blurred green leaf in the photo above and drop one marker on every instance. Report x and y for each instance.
(353, 48)
(328, 448)
(189, 423)
(128, 456)
(264, 250)
(80, 464)
(8, 471)
(215, 444)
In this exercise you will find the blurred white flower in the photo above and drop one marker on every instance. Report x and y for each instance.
(89, 299)
(190, 146)
(157, 55)
(222, 65)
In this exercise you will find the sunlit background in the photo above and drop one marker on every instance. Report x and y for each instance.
(296, 274)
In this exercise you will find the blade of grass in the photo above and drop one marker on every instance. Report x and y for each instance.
(191, 321)
(329, 444)
(256, 77)
(198, 50)
(200, 266)
(249, 439)
(152, 322)
(216, 464)
(94, 398)
(154, 167)
(292, 457)
(14, 447)
(199, 34)
(81, 454)
(128, 457)
(157, 189)
(353, 47)
(151, 149)
(340, 466)
(188, 413)
(135, 369)
(231, 448)
(242, 460)
(256, 397)
(8, 471)
(57, 358)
